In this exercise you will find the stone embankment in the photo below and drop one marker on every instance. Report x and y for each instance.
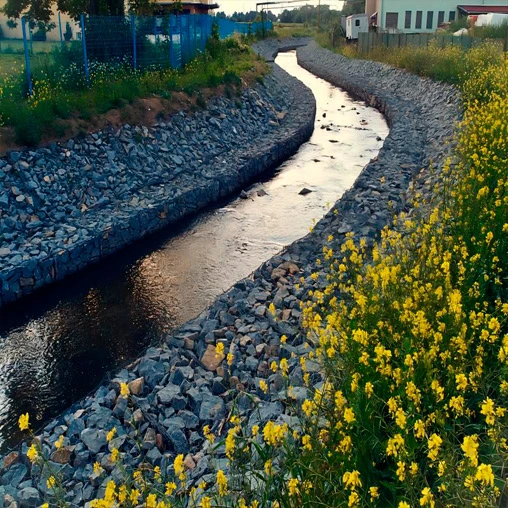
(182, 385)
(68, 205)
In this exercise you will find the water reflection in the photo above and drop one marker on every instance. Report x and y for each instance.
(57, 345)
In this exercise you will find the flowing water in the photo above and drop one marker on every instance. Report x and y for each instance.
(58, 344)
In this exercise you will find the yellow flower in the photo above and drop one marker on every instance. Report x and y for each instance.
(284, 367)
(45, 505)
(111, 434)
(263, 386)
(206, 502)
(231, 442)
(401, 470)
(230, 359)
(461, 381)
(23, 422)
(351, 480)
(134, 496)
(470, 448)
(209, 436)
(179, 467)
(427, 498)
(255, 430)
(369, 389)
(353, 499)
(419, 428)
(51, 482)
(219, 349)
(268, 467)
(485, 475)
(32, 453)
(374, 493)
(97, 469)
(283, 339)
(59, 442)
(403, 504)
(151, 501)
(114, 454)
(293, 487)
(222, 483)
(170, 488)
(487, 409)
(434, 443)
(349, 415)
(124, 390)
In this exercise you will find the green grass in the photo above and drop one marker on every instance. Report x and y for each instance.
(60, 95)
(284, 30)
(441, 64)
(10, 65)
(16, 45)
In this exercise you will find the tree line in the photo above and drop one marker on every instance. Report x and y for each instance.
(41, 10)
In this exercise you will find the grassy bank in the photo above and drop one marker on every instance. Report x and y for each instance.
(449, 64)
(62, 99)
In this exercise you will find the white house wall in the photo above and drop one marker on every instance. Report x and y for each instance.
(399, 7)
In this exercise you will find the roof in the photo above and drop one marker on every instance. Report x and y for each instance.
(483, 9)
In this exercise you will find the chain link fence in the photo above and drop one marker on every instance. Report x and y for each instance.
(108, 44)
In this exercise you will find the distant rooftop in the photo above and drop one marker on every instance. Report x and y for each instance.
(482, 9)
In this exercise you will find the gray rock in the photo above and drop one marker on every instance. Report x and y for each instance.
(29, 496)
(95, 440)
(213, 408)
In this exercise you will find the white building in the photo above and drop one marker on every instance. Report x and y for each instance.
(420, 16)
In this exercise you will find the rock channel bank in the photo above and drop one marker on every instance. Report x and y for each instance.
(181, 385)
(66, 206)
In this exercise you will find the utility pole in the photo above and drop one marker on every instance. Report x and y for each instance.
(319, 16)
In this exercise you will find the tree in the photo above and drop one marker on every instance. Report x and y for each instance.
(68, 32)
(353, 7)
(41, 10)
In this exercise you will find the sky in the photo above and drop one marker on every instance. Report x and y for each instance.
(230, 6)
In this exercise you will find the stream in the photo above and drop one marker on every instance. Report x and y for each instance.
(58, 344)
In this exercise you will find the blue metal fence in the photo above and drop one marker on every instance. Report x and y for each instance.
(142, 42)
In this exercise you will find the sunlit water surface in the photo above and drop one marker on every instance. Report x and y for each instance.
(58, 345)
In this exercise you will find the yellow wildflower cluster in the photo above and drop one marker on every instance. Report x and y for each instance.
(415, 342)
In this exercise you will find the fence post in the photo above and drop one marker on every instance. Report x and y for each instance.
(134, 48)
(27, 58)
(60, 29)
(85, 56)
(171, 47)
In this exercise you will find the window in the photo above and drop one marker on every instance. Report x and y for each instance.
(407, 23)
(440, 18)
(419, 15)
(452, 16)
(392, 19)
(430, 19)
(357, 22)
